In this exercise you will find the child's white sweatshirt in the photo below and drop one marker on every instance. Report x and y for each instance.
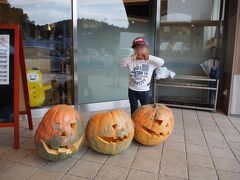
(140, 71)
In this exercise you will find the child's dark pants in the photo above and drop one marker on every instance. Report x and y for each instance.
(134, 96)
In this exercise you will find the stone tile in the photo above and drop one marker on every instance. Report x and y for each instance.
(86, 169)
(234, 145)
(91, 155)
(196, 141)
(28, 133)
(237, 155)
(174, 146)
(6, 130)
(221, 153)
(217, 143)
(141, 175)
(82, 150)
(42, 174)
(200, 160)
(230, 131)
(147, 159)
(226, 164)
(234, 138)
(213, 135)
(60, 166)
(4, 165)
(178, 131)
(125, 158)
(17, 172)
(15, 155)
(211, 128)
(110, 172)
(202, 173)
(4, 149)
(10, 131)
(224, 124)
(197, 149)
(194, 132)
(145, 164)
(24, 123)
(173, 157)
(164, 177)
(9, 141)
(175, 170)
(226, 175)
(174, 163)
(33, 160)
(176, 138)
(28, 144)
(70, 177)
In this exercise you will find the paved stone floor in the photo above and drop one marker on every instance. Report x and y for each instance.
(202, 146)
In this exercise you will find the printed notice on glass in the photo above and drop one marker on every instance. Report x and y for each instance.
(4, 59)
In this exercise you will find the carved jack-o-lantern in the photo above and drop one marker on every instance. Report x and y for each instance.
(60, 133)
(153, 123)
(110, 132)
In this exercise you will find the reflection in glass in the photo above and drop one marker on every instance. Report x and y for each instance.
(105, 32)
(47, 33)
(188, 33)
(188, 37)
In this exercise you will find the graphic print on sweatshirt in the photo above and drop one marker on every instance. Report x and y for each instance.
(139, 74)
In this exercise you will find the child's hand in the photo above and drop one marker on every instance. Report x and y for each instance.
(146, 56)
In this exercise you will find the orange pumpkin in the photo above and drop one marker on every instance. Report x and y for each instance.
(60, 133)
(153, 124)
(110, 132)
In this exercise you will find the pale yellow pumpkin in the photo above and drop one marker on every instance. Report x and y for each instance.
(110, 132)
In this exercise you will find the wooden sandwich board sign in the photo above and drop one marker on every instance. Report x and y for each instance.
(14, 96)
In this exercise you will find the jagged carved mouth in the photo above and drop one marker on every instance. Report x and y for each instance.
(62, 149)
(149, 131)
(113, 139)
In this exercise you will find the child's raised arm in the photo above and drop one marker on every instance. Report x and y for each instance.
(125, 61)
(156, 61)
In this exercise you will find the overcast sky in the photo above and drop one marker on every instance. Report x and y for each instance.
(50, 11)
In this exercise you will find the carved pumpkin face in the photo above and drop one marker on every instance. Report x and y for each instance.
(60, 133)
(110, 132)
(153, 124)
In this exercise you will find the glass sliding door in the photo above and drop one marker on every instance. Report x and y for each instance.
(187, 33)
(188, 37)
(105, 32)
(47, 37)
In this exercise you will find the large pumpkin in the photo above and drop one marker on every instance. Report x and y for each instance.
(153, 123)
(60, 133)
(110, 132)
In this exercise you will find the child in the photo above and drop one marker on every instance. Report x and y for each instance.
(141, 66)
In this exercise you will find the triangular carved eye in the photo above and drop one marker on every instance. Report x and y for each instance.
(159, 121)
(167, 125)
(114, 126)
(73, 126)
(64, 133)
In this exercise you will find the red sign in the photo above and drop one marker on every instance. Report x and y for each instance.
(14, 96)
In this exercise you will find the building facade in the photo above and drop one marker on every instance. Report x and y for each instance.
(77, 44)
